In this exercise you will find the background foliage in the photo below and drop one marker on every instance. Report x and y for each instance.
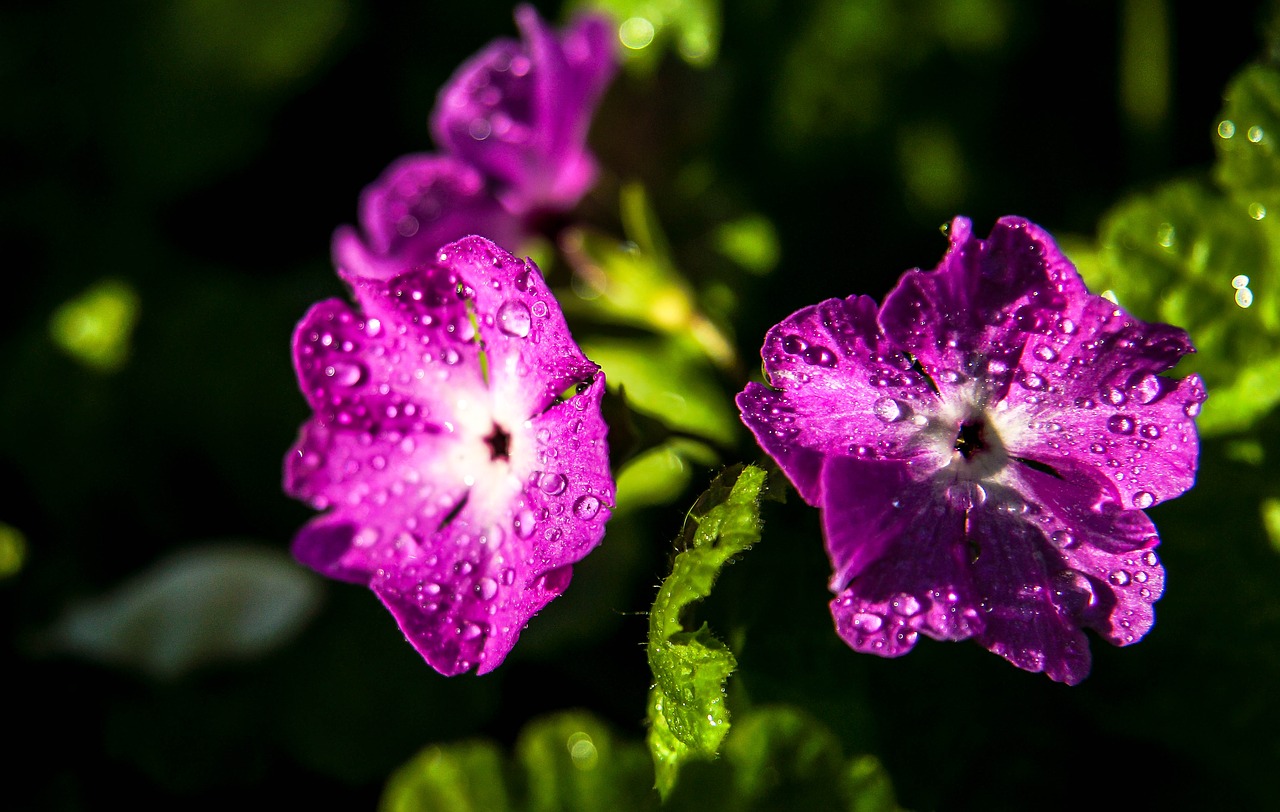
(172, 174)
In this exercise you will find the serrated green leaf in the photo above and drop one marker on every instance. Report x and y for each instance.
(687, 715)
(1191, 256)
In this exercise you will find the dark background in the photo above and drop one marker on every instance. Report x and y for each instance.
(204, 152)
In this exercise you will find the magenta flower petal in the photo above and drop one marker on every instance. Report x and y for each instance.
(457, 446)
(417, 205)
(983, 448)
(520, 111)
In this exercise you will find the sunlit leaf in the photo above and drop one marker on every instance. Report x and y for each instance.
(687, 715)
(783, 757)
(95, 328)
(666, 377)
(646, 28)
(636, 283)
(463, 777)
(1248, 131)
(750, 241)
(13, 550)
(569, 761)
(1190, 256)
(217, 602)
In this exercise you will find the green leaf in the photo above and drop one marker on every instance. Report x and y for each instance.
(1247, 135)
(636, 283)
(568, 761)
(782, 757)
(464, 777)
(647, 27)
(1191, 256)
(571, 761)
(687, 715)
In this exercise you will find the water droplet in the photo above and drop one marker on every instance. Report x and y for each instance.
(1244, 297)
(470, 631)
(514, 319)
(1192, 408)
(1073, 590)
(539, 309)
(1143, 500)
(1149, 558)
(906, 605)
(372, 327)
(1067, 326)
(1240, 281)
(887, 409)
(1255, 134)
(1114, 395)
(1032, 381)
(818, 355)
(486, 588)
(586, 507)
(1120, 424)
(1120, 578)
(552, 483)
(1097, 448)
(451, 356)
(1046, 353)
(1062, 539)
(1226, 128)
(523, 525)
(867, 622)
(345, 374)
(794, 344)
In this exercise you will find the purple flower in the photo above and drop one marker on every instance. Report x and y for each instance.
(513, 122)
(983, 447)
(457, 446)
(420, 203)
(520, 111)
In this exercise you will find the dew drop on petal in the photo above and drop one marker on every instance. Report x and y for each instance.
(345, 374)
(887, 409)
(1120, 578)
(867, 622)
(524, 523)
(906, 605)
(794, 344)
(1120, 424)
(539, 309)
(1143, 500)
(1145, 389)
(486, 588)
(818, 355)
(586, 507)
(470, 631)
(552, 483)
(514, 319)
(1150, 558)
(1062, 539)
(1046, 353)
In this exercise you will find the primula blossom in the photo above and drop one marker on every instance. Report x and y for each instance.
(513, 123)
(983, 446)
(457, 446)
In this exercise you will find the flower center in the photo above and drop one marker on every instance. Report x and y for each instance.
(970, 439)
(499, 442)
